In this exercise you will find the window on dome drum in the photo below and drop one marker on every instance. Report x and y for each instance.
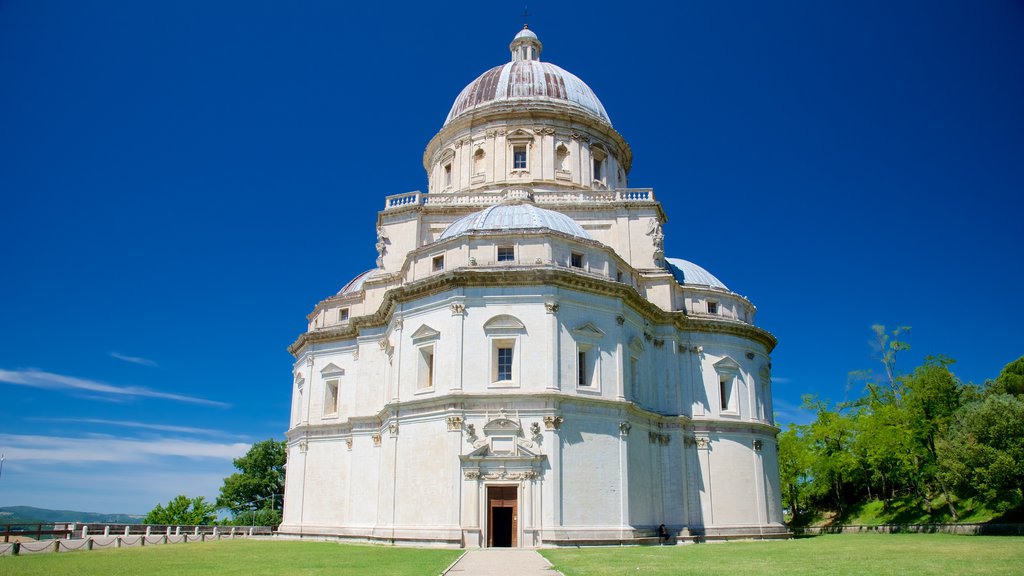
(597, 169)
(342, 314)
(425, 376)
(438, 263)
(712, 307)
(519, 157)
(576, 260)
(478, 162)
(447, 175)
(331, 398)
(506, 253)
(503, 355)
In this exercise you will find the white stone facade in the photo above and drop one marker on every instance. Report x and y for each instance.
(524, 366)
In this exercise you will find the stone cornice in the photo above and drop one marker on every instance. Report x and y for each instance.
(532, 403)
(550, 276)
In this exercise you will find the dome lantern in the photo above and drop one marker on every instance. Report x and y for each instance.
(525, 46)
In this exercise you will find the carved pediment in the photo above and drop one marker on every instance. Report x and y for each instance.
(504, 323)
(636, 344)
(501, 424)
(589, 331)
(332, 370)
(727, 364)
(424, 334)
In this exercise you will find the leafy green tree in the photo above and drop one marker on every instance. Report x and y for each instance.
(933, 396)
(983, 453)
(1011, 379)
(794, 469)
(834, 467)
(182, 510)
(259, 484)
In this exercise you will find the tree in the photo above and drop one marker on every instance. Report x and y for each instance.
(794, 470)
(182, 510)
(1011, 379)
(983, 453)
(259, 484)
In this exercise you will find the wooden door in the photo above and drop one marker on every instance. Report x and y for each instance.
(502, 516)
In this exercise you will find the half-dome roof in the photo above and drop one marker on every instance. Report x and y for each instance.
(690, 274)
(356, 284)
(524, 80)
(519, 216)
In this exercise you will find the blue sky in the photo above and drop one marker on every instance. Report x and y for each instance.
(180, 182)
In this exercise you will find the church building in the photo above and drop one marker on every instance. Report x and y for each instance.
(524, 365)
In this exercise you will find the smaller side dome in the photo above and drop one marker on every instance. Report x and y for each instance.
(690, 274)
(356, 284)
(518, 216)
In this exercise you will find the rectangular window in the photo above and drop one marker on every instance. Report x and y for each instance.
(331, 398)
(504, 362)
(633, 386)
(725, 393)
(342, 314)
(576, 260)
(426, 368)
(447, 175)
(581, 368)
(597, 169)
(712, 307)
(506, 253)
(519, 157)
(438, 263)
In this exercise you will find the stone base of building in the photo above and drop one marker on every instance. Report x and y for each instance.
(563, 537)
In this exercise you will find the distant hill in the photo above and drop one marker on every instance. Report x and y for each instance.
(30, 515)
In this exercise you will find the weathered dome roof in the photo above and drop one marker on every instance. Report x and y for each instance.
(526, 79)
(690, 274)
(524, 216)
(356, 284)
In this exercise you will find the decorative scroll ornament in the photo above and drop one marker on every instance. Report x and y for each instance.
(620, 320)
(703, 442)
(454, 422)
(458, 309)
(624, 428)
(757, 445)
(472, 474)
(303, 446)
(551, 307)
(348, 443)
(376, 439)
(393, 429)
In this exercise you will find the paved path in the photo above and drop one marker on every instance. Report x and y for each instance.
(502, 562)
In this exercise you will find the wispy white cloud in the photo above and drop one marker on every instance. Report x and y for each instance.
(140, 425)
(50, 381)
(134, 359)
(67, 450)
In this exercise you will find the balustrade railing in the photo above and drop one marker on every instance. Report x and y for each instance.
(540, 197)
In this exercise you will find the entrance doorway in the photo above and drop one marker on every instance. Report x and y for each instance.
(502, 516)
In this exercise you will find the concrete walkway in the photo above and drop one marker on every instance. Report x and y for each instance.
(502, 562)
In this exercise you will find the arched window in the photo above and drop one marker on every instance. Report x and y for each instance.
(478, 162)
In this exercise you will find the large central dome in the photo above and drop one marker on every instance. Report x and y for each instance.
(526, 79)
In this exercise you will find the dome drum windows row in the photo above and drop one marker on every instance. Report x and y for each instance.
(524, 155)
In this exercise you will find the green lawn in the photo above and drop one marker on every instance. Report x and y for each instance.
(831, 555)
(236, 558)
